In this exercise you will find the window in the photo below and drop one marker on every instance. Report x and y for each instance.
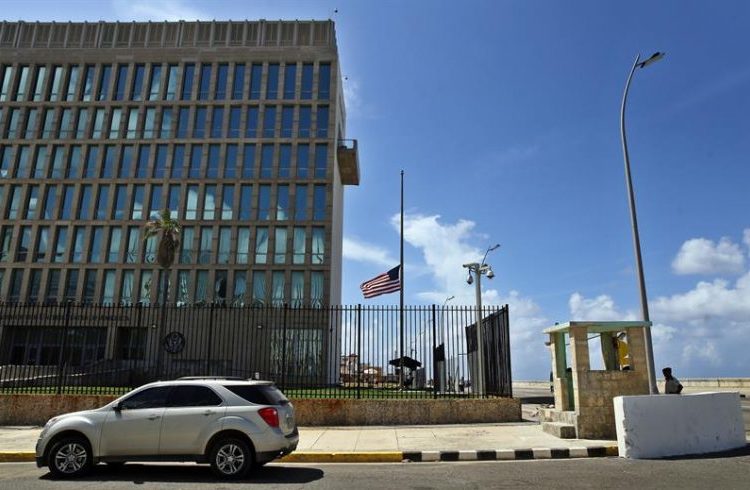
(122, 78)
(178, 160)
(303, 127)
(195, 162)
(102, 201)
(108, 295)
(24, 166)
(212, 167)
(155, 85)
(192, 396)
(70, 93)
(89, 286)
(187, 81)
(172, 75)
(156, 205)
(272, 82)
(149, 124)
(32, 202)
(78, 244)
(240, 289)
(35, 281)
(318, 245)
(115, 238)
(255, 74)
(186, 254)
(42, 244)
(141, 170)
(139, 193)
(137, 93)
(266, 162)
(66, 123)
(246, 195)
(307, 81)
(298, 254)
(207, 236)
(239, 81)
(174, 199)
(75, 161)
(23, 81)
(264, 202)
(182, 122)
(132, 253)
(201, 287)
(191, 211)
(13, 116)
(95, 250)
(148, 398)
(14, 288)
(298, 289)
(259, 288)
(103, 93)
(183, 288)
(48, 123)
(126, 291)
(61, 244)
(126, 162)
(319, 203)
(50, 202)
(145, 289)
(217, 121)
(209, 202)
(14, 202)
(322, 121)
(6, 162)
(248, 162)
(149, 250)
(321, 161)
(110, 160)
(41, 72)
(53, 286)
(300, 203)
(261, 245)
(287, 119)
(252, 122)
(71, 285)
(277, 288)
(58, 163)
(324, 81)
(30, 125)
(280, 246)
(67, 202)
(88, 83)
(225, 245)
(269, 122)
(290, 80)
(205, 82)
(234, 122)
(82, 125)
(220, 91)
(227, 202)
(230, 162)
(92, 167)
(7, 77)
(316, 289)
(41, 159)
(98, 130)
(199, 128)
(121, 196)
(282, 202)
(160, 165)
(285, 161)
(166, 123)
(243, 245)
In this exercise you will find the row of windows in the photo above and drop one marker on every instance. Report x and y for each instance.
(207, 202)
(202, 122)
(147, 81)
(110, 286)
(199, 161)
(261, 245)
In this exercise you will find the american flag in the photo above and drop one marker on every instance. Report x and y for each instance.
(387, 282)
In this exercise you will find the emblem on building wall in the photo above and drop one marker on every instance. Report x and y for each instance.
(174, 342)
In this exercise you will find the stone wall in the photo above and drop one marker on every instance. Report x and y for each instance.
(37, 409)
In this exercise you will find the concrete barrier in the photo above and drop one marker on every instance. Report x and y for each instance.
(37, 409)
(673, 425)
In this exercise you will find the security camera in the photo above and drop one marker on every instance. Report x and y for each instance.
(469, 279)
(490, 274)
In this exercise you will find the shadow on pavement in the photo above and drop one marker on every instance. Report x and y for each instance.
(734, 453)
(141, 473)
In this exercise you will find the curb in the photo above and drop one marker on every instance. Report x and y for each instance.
(405, 456)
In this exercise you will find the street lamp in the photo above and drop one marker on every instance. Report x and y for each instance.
(634, 222)
(478, 269)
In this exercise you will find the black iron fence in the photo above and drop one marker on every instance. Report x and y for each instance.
(334, 352)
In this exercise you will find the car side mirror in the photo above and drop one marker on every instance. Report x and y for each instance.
(118, 407)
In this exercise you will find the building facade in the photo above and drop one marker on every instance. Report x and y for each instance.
(238, 128)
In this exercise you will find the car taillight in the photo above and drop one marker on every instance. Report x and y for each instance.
(270, 415)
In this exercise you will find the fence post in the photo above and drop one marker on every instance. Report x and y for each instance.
(209, 344)
(60, 365)
(359, 350)
(434, 351)
(283, 349)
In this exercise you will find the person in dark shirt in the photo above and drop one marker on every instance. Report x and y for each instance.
(672, 385)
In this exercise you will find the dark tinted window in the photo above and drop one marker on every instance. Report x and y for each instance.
(150, 398)
(259, 394)
(192, 396)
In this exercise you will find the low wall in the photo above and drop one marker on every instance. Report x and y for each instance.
(673, 425)
(37, 409)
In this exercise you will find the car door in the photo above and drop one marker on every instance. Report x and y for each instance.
(193, 412)
(134, 428)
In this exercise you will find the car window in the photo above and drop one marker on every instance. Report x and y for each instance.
(193, 396)
(259, 394)
(149, 398)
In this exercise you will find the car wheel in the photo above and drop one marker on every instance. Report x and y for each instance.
(70, 457)
(231, 458)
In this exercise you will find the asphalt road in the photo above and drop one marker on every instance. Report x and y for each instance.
(726, 472)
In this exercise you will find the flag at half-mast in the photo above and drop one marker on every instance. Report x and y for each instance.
(387, 282)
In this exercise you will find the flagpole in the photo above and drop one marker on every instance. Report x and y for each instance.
(401, 291)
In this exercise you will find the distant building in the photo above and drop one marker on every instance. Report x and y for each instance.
(237, 127)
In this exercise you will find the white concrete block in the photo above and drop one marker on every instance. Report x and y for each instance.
(430, 455)
(656, 426)
(542, 453)
(467, 455)
(505, 454)
(578, 452)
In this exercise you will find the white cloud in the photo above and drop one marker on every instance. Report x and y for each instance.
(602, 308)
(702, 256)
(161, 10)
(746, 238)
(364, 252)
(706, 301)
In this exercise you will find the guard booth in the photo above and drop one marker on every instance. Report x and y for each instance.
(583, 396)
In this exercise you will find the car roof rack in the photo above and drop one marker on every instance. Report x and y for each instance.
(228, 378)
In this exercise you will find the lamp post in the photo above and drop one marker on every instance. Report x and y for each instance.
(634, 223)
(478, 269)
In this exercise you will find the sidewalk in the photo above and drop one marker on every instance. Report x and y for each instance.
(522, 440)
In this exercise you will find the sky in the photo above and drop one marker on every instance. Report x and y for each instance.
(504, 116)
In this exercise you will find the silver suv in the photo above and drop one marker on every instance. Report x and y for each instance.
(232, 424)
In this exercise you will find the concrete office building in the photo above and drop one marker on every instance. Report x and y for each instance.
(237, 127)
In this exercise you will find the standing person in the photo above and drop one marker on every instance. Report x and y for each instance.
(672, 385)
